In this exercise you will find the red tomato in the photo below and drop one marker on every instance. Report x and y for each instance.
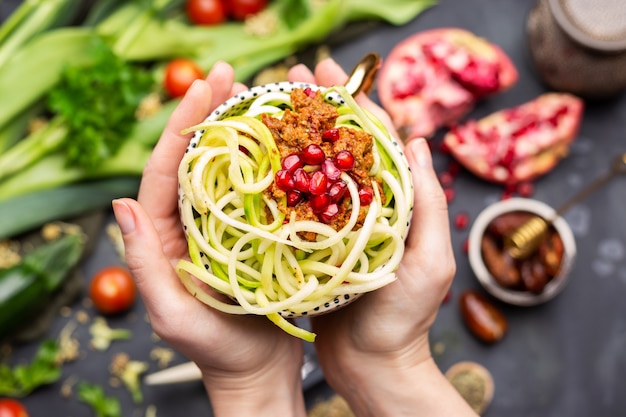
(206, 12)
(112, 290)
(12, 408)
(240, 9)
(180, 73)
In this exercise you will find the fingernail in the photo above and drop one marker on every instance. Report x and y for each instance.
(124, 216)
(421, 152)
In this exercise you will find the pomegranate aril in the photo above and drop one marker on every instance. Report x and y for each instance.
(329, 213)
(450, 194)
(301, 180)
(293, 198)
(330, 170)
(366, 195)
(318, 183)
(331, 135)
(337, 190)
(446, 179)
(292, 162)
(461, 220)
(319, 202)
(309, 92)
(526, 189)
(344, 160)
(284, 180)
(313, 154)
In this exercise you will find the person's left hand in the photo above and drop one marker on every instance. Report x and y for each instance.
(249, 366)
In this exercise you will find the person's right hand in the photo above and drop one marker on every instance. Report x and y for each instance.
(375, 351)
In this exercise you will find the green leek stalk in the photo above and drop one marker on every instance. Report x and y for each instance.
(26, 287)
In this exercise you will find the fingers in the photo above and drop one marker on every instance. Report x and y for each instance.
(145, 257)
(160, 173)
(430, 212)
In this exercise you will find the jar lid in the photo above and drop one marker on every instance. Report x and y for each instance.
(597, 24)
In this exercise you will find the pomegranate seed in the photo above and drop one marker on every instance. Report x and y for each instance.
(446, 179)
(337, 190)
(318, 183)
(293, 197)
(366, 195)
(344, 160)
(319, 202)
(309, 92)
(331, 135)
(454, 168)
(449, 193)
(301, 180)
(526, 189)
(330, 170)
(465, 246)
(292, 162)
(284, 180)
(329, 213)
(461, 220)
(313, 155)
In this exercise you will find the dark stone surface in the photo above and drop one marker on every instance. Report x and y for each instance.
(564, 358)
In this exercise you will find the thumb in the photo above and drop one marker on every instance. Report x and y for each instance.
(152, 270)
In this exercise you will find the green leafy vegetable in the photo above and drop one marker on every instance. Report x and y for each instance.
(98, 103)
(21, 380)
(94, 396)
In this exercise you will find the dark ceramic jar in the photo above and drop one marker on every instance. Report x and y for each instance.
(579, 46)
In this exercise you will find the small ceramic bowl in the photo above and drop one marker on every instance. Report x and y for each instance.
(240, 103)
(486, 279)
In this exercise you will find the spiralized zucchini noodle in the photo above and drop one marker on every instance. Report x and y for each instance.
(242, 245)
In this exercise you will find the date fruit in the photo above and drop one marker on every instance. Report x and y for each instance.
(482, 318)
(531, 274)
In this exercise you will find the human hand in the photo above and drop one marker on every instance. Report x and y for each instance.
(376, 350)
(249, 366)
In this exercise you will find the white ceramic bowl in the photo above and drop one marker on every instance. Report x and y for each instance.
(241, 102)
(516, 297)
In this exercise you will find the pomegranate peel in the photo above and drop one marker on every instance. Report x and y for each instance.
(433, 78)
(518, 144)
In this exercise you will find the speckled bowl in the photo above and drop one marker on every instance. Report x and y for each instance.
(241, 102)
(520, 298)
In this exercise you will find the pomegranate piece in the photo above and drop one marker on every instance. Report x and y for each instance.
(366, 195)
(329, 213)
(331, 171)
(293, 198)
(292, 162)
(516, 145)
(318, 183)
(312, 154)
(433, 78)
(319, 202)
(331, 135)
(344, 160)
(337, 190)
(301, 180)
(284, 180)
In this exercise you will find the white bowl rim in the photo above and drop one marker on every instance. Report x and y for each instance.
(520, 298)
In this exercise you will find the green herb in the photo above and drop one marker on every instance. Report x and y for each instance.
(294, 12)
(21, 380)
(94, 396)
(98, 104)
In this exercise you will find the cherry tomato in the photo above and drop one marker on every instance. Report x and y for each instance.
(12, 408)
(180, 73)
(206, 12)
(112, 290)
(240, 9)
